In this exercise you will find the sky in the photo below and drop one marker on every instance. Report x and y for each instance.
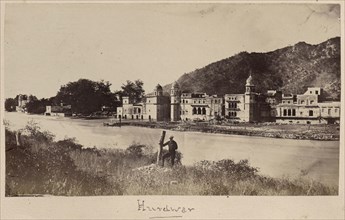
(48, 45)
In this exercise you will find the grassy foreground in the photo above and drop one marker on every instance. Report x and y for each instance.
(43, 166)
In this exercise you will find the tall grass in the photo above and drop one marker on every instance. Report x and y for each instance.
(44, 166)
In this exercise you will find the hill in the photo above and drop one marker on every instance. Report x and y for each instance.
(291, 69)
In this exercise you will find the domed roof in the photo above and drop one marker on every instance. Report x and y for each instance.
(175, 85)
(249, 81)
(158, 87)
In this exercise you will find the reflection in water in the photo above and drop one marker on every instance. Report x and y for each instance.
(318, 160)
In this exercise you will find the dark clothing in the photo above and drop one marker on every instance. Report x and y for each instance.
(172, 151)
(172, 157)
(172, 145)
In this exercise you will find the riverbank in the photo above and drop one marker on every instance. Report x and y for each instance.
(270, 130)
(322, 132)
(41, 166)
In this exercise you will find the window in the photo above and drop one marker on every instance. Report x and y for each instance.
(302, 102)
(311, 102)
(329, 111)
(194, 111)
(289, 112)
(199, 111)
(335, 110)
(203, 111)
(182, 100)
(293, 112)
(186, 101)
(284, 112)
(311, 113)
(316, 92)
(311, 92)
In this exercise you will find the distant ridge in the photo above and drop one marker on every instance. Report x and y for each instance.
(291, 69)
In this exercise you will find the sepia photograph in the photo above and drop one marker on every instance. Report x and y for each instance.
(211, 99)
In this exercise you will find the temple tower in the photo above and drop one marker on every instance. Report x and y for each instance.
(249, 100)
(175, 100)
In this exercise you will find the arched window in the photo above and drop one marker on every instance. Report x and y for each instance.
(311, 113)
(139, 110)
(194, 111)
(199, 111)
(203, 111)
(229, 114)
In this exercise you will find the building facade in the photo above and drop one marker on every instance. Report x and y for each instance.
(155, 107)
(200, 106)
(308, 108)
(247, 107)
(59, 110)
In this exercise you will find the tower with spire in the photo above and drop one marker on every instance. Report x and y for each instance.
(175, 100)
(249, 100)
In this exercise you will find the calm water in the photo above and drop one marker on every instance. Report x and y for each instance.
(274, 157)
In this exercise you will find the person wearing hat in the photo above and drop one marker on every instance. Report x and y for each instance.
(172, 150)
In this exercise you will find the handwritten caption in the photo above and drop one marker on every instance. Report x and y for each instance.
(142, 207)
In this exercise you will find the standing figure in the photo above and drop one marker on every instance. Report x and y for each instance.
(172, 151)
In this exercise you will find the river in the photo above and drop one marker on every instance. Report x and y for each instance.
(319, 160)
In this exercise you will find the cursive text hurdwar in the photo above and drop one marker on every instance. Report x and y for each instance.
(164, 208)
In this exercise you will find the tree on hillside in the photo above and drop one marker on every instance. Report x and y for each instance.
(134, 90)
(10, 104)
(85, 96)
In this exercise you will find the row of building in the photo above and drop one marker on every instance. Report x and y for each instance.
(307, 108)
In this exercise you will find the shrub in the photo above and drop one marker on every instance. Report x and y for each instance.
(135, 150)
